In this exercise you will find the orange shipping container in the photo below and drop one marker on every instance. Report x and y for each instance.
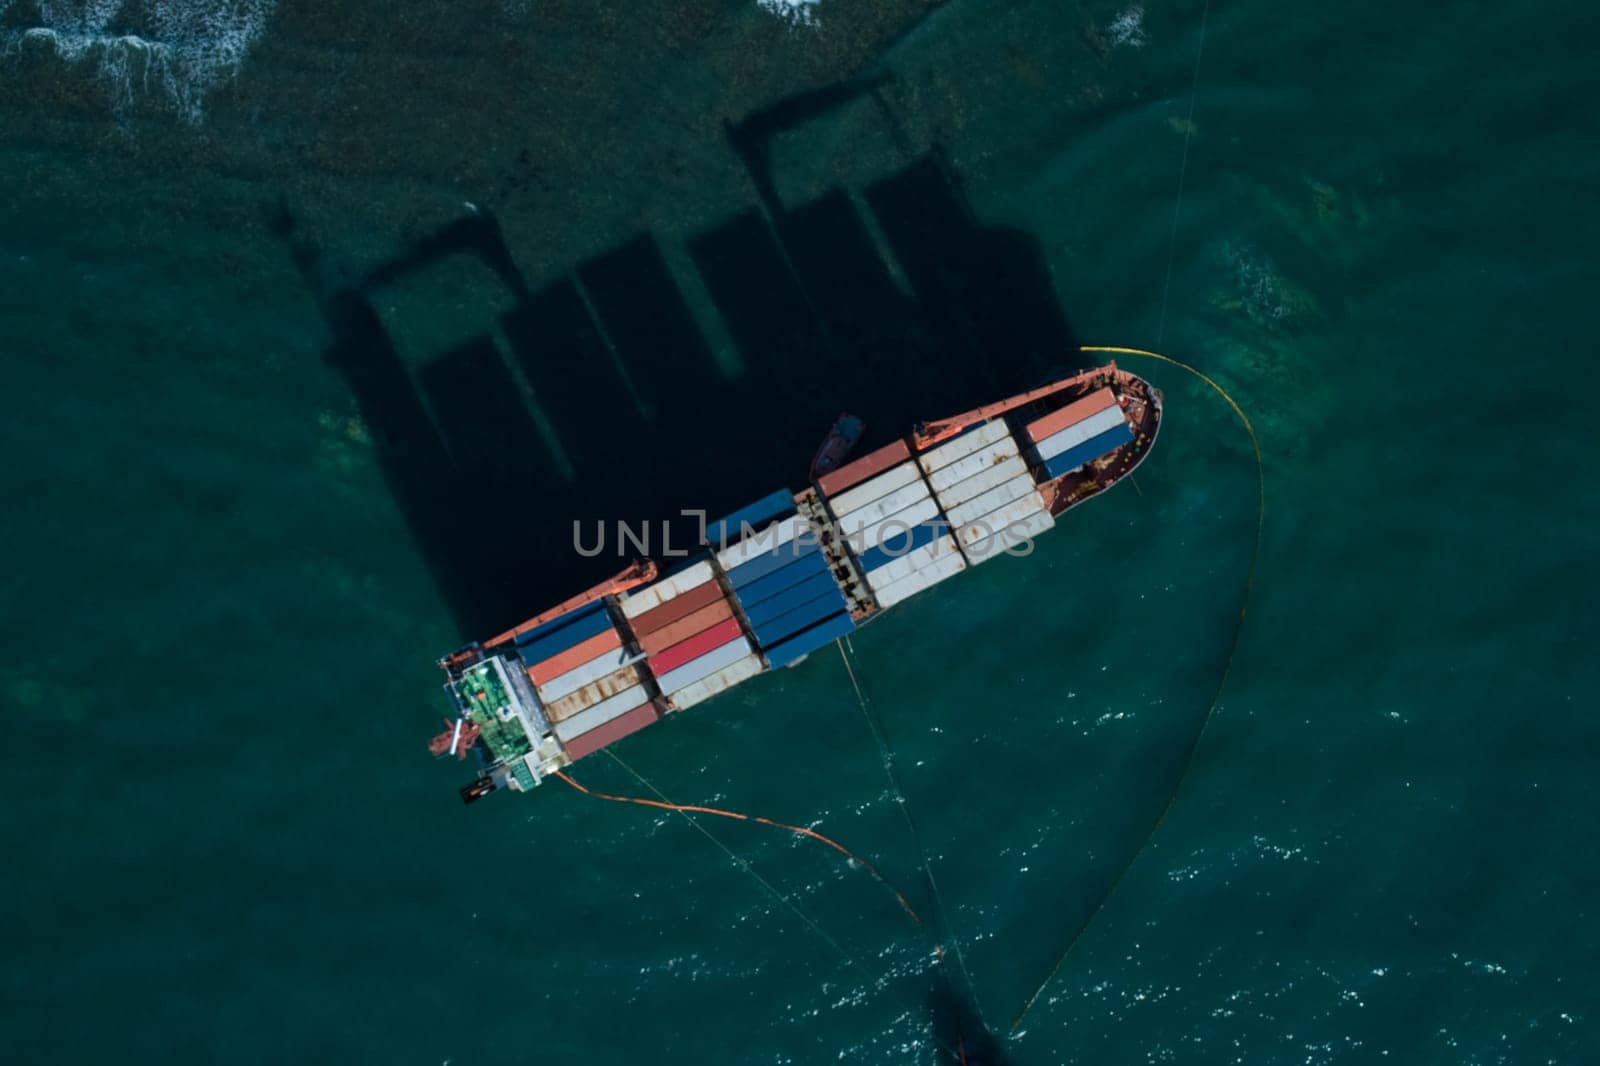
(856, 472)
(1072, 414)
(661, 639)
(574, 656)
(678, 607)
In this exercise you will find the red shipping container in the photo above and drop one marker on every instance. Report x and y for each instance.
(858, 471)
(694, 647)
(660, 640)
(678, 607)
(574, 656)
(611, 732)
(1070, 415)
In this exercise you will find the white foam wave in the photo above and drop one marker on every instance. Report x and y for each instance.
(794, 12)
(184, 48)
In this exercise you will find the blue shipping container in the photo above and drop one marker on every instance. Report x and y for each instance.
(786, 652)
(1093, 448)
(771, 562)
(790, 598)
(585, 624)
(804, 568)
(893, 547)
(730, 529)
(557, 623)
(787, 625)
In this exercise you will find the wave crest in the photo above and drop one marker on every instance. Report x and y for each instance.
(172, 53)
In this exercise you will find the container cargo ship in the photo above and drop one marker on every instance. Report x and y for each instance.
(789, 574)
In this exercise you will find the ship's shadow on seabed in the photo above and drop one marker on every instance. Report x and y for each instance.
(959, 1032)
(815, 313)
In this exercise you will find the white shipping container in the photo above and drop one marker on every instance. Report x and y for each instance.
(720, 681)
(716, 659)
(602, 712)
(763, 542)
(910, 562)
(1079, 432)
(992, 500)
(874, 488)
(963, 446)
(978, 484)
(878, 510)
(898, 523)
(943, 567)
(579, 676)
(972, 465)
(655, 595)
(593, 693)
(1021, 530)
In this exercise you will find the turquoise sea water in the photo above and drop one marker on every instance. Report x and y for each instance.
(229, 569)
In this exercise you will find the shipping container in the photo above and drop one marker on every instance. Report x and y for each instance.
(771, 539)
(802, 569)
(902, 544)
(803, 643)
(724, 531)
(652, 596)
(576, 678)
(972, 465)
(875, 489)
(1025, 529)
(978, 484)
(718, 682)
(790, 598)
(696, 646)
(878, 510)
(605, 735)
(1093, 448)
(545, 629)
(881, 577)
(762, 565)
(978, 528)
(709, 663)
(591, 694)
(659, 640)
(605, 711)
(992, 500)
(554, 642)
(960, 447)
(807, 614)
(941, 568)
(1079, 432)
(575, 656)
(858, 470)
(1076, 411)
(701, 596)
(869, 537)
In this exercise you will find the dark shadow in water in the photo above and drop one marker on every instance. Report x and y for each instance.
(958, 1031)
(942, 314)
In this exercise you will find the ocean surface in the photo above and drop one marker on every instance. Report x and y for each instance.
(321, 322)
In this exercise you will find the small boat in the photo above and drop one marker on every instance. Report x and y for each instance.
(844, 435)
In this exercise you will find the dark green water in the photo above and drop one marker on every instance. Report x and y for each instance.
(225, 840)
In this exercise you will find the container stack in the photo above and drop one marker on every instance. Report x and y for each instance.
(590, 687)
(686, 627)
(891, 523)
(987, 493)
(789, 597)
(1081, 431)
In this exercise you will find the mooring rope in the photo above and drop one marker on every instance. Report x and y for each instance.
(1227, 666)
(886, 756)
